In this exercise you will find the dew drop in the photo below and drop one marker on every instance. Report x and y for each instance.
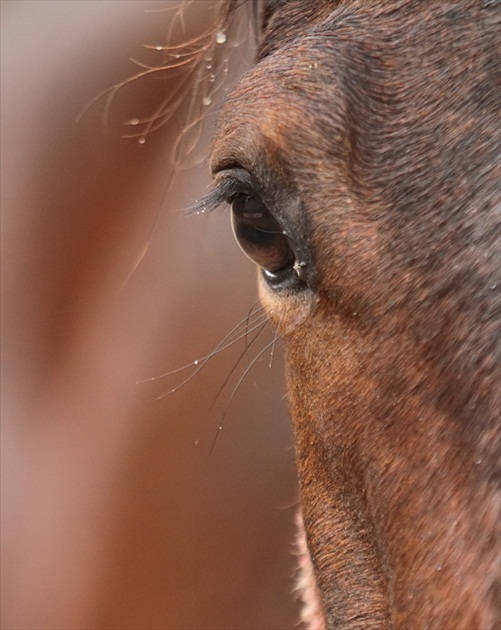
(177, 56)
(159, 47)
(195, 362)
(142, 140)
(196, 442)
(212, 78)
(207, 100)
(493, 285)
(220, 37)
(133, 121)
(220, 428)
(209, 66)
(478, 461)
(438, 567)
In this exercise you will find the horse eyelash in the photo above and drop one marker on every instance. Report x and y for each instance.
(223, 192)
(225, 188)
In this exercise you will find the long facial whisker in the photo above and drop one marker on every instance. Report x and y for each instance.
(205, 360)
(240, 380)
(249, 315)
(237, 363)
(225, 343)
(273, 348)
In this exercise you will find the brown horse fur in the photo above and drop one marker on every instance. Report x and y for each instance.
(372, 129)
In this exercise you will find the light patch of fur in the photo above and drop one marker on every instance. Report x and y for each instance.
(312, 614)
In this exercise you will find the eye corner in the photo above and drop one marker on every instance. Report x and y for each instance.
(284, 282)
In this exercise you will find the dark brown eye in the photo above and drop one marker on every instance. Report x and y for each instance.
(260, 236)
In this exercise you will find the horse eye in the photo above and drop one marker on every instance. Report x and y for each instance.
(260, 237)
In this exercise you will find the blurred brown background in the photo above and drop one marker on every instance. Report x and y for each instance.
(114, 513)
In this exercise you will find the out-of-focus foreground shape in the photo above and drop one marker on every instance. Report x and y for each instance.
(113, 513)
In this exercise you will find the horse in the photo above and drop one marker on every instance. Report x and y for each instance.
(359, 158)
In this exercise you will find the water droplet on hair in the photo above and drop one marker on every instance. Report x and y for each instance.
(159, 47)
(195, 362)
(212, 78)
(209, 66)
(133, 121)
(177, 56)
(207, 100)
(220, 37)
(478, 461)
(142, 140)
(438, 567)
(493, 285)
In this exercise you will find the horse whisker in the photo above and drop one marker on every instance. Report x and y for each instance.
(244, 352)
(240, 380)
(201, 363)
(273, 348)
